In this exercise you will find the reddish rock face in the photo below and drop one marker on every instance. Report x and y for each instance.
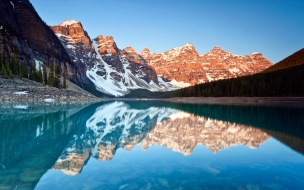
(185, 65)
(106, 45)
(181, 64)
(220, 64)
(74, 30)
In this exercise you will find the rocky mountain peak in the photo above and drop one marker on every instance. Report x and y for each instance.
(145, 50)
(74, 31)
(106, 45)
(129, 49)
(189, 45)
(216, 50)
(145, 54)
(187, 51)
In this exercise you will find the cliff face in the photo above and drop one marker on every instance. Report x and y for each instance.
(23, 32)
(79, 47)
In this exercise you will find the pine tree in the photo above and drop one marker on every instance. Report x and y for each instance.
(57, 77)
(11, 76)
(3, 58)
(34, 73)
(39, 75)
(44, 74)
(51, 78)
(31, 74)
(64, 85)
(4, 72)
(20, 74)
(24, 71)
(1, 55)
(14, 65)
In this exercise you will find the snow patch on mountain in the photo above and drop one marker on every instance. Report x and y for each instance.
(68, 22)
(180, 84)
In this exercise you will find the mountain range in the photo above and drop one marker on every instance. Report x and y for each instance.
(116, 71)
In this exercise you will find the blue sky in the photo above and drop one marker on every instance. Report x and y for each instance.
(273, 27)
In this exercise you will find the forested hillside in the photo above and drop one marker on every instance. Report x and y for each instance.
(293, 60)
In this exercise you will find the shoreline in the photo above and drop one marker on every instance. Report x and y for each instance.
(26, 91)
(43, 95)
(252, 101)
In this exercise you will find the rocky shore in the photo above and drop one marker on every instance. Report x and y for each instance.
(17, 90)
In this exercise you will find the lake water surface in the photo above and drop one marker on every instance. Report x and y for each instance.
(151, 145)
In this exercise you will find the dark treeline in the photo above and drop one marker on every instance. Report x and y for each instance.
(11, 66)
(285, 82)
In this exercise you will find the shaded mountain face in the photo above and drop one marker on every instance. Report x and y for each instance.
(103, 64)
(293, 60)
(117, 125)
(23, 32)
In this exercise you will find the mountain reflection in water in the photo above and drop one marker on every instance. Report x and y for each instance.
(66, 138)
(117, 125)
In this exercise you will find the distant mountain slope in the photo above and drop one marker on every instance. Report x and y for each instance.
(293, 60)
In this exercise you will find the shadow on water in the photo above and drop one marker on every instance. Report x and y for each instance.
(32, 139)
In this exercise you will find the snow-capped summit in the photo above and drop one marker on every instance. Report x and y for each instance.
(68, 22)
(255, 53)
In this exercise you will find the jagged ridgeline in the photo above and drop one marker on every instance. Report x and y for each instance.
(282, 79)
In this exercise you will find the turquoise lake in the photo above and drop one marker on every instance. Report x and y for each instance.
(151, 145)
